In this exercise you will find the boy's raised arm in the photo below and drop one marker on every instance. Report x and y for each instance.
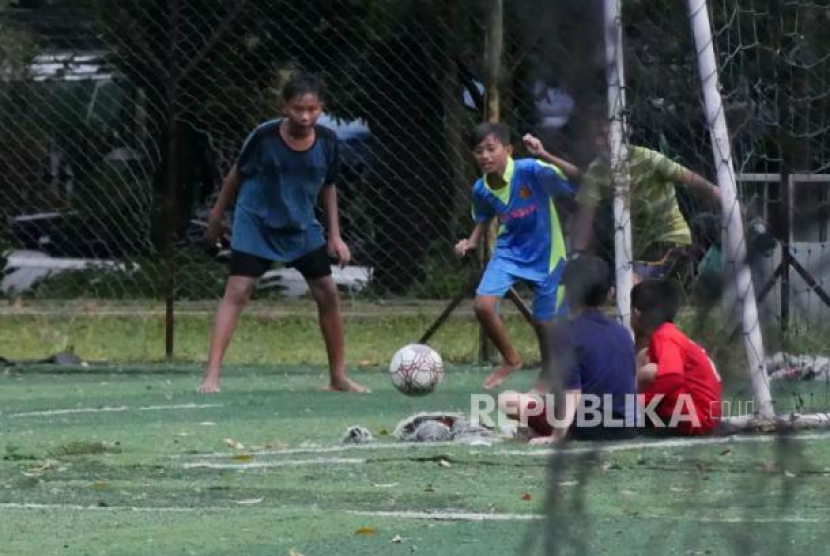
(537, 149)
(553, 180)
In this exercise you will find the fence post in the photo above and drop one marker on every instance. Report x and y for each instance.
(170, 235)
(171, 182)
(495, 46)
(618, 145)
(732, 221)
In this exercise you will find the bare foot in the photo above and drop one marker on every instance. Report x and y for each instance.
(498, 376)
(346, 385)
(209, 386)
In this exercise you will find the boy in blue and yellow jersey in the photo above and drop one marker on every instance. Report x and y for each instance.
(530, 246)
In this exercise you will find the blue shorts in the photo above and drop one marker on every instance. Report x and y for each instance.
(548, 297)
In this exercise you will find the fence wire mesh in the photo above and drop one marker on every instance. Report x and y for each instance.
(118, 121)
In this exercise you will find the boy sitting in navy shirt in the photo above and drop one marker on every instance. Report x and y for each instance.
(592, 373)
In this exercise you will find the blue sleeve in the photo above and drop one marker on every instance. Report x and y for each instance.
(482, 210)
(551, 179)
(333, 161)
(248, 160)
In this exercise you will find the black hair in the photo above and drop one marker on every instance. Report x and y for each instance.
(303, 84)
(657, 300)
(482, 131)
(587, 281)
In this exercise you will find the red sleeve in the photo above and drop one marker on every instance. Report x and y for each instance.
(669, 381)
(667, 354)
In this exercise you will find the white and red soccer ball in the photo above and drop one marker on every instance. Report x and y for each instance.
(416, 369)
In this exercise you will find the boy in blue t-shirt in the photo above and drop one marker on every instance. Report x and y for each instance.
(283, 167)
(594, 366)
(530, 246)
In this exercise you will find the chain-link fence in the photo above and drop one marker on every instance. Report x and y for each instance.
(119, 121)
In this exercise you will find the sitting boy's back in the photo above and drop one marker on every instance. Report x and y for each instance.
(679, 380)
(684, 368)
(589, 382)
(596, 355)
(604, 366)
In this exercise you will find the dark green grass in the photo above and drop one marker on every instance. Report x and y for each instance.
(262, 337)
(119, 482)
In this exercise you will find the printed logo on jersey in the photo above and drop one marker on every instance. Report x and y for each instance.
(521, 212)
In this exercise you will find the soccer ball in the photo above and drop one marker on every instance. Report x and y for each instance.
(416, 370)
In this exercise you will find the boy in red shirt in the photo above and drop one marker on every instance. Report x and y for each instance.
(680, 385)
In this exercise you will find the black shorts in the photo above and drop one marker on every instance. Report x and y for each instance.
(312, 266)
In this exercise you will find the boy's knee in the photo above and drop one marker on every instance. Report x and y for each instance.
(239, 292)
(324, 291)
(485, 307)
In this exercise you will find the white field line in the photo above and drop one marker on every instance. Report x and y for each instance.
(468, 516)
(332, 449)
(51, 412)
(270, 464)
(114, 409)
(179, 406)
(448, 516)
(572, 449)
(437, 515)
(671, 443)
(79, 507)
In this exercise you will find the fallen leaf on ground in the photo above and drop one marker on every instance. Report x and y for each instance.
(366, 531)
(526, 496)
(243, 457)
(233, 444)
(41, 469)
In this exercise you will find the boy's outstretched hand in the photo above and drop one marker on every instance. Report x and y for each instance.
(533, 144)
(463, 246)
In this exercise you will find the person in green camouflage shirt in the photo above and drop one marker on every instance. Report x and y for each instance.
(658, 227)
